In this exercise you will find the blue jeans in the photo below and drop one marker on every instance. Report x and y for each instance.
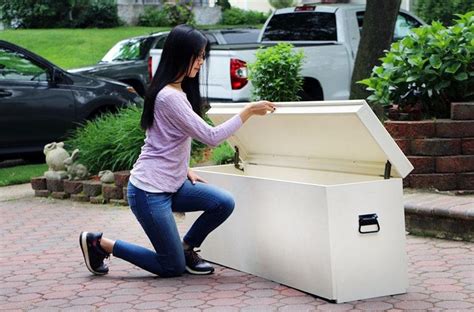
(154, 212)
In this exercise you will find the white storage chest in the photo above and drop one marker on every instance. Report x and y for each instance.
(319, 200)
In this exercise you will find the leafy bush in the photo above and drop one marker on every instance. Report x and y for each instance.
(110, 142)
(279, 4)
(53, 14)
(427, 70)
(442, 10)
(99, 14)
(236, 16)
(168, 15)
(180, 14)
(154, 17)
(32, 13)
(275, 74)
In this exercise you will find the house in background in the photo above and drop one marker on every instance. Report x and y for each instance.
(205, 12)
(264, 6)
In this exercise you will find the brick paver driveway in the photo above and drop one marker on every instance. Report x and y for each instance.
(42, 269)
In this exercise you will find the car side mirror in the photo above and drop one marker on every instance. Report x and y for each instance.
(53, 78)
(56, 77)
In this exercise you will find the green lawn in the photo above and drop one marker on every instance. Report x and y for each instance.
(72, 48)
(21, 174)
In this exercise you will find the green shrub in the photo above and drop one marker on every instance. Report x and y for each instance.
(54, 14)
(154, 17)
(32, 13)
(180, 14)
(98, 14)
(279, 4)
(236, 16)
(223, 154)
(442, 10)
(427, 70)
(110, 142)
(168, 15)
(275, 74)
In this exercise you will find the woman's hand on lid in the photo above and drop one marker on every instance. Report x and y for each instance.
(260, 108)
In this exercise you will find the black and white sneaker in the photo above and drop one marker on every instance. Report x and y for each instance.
(94, 254)
(195, 264)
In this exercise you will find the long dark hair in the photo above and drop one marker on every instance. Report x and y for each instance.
(182, 46)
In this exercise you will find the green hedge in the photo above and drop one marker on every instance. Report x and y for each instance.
(59, 14)
(236, 16)
(167, 15)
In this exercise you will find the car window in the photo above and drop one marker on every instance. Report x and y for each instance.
(211, 38)
(126, 50)
(304, 26)
(402, 26)
(160, 43)
(16, 66)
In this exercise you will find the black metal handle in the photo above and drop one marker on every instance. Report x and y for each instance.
(366, 220)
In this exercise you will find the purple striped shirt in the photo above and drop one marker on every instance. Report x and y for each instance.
(164, 158)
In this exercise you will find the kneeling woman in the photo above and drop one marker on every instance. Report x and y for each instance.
(161, 181)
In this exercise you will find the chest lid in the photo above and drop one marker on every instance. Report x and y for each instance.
(342, 136)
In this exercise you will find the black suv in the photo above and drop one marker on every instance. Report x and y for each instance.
(127, 61)
(40, 102)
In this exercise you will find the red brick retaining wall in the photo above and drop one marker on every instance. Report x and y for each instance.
(92, 191)
(442, 151)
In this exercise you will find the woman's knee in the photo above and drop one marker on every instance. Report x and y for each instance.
(227, 203)
(172, 263)
(174, 270)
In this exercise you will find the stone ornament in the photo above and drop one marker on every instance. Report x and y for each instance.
(75, 170)
(55, 156)
(106, 176)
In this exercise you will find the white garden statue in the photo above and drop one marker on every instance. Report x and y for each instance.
(106, 176)
(55, 156)
(75, 170)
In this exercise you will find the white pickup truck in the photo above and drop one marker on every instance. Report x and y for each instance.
(329, 36)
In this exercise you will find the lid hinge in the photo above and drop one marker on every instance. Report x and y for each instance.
(237, 163)
(388, 170)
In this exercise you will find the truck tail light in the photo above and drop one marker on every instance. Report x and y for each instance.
(150, 68)
(238, 74)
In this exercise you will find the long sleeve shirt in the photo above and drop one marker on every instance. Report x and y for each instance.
(164, 158)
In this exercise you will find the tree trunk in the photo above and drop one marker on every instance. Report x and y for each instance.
(379, 23)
